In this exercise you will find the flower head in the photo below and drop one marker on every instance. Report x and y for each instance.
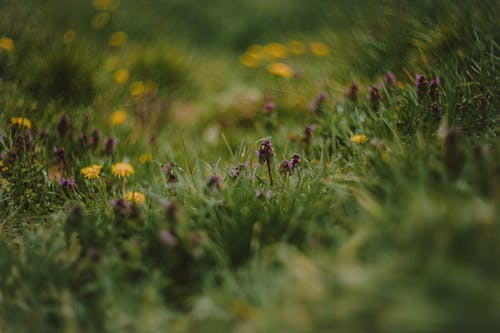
(136, 197)
(21, 122)
(91, 172)
(390, 79)
(352, 91)
(67, 182)
(421, 84)
(359, 139)
(280, 69)
(117, 117)
(7, 44)
(434, 89)
(286, 167)
(110, 145)
(266, 152)
(319, 49)
(122, 170)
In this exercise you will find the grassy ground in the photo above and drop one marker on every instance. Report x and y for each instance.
(249, 166)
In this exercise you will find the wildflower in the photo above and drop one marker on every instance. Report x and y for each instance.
(69, 36)
(83, 140)
(390, 79)
(235, 172)
(7, 44)
(91, 172)
(3, 168)
(276, 50)
(118, 39)
(168, 169)
(100, 20)
(122, 170)
(436, 110)
(359, 139)
(434, 89)
(263, 195)
(374, 97)
(308, 130)
(168, 238)
(145, 158)
(67, 182)
(318, 102)
(21, 122)
(250, 60)
(280, 69)
(352, 91)
(43, 133)
(110, 146)
(121, 76)
(137, 89)
(95, 138)
(295, 159)
(266, 152)
(214, 183)
(136, 197)
(125, 209)
(59, 152)
(297, 47)
(319, 49)
(421, 84)
(269, 106)
(117, 117)
(63, 125)
(286, 167)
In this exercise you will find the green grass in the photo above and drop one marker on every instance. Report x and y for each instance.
(396, 234)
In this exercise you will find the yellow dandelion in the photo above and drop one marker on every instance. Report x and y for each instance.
(280, 69)
(117, 117)
(136, 197)
(118, 38)
(69, 36)
(21, 122)
(7, 44)
(145, 158)
(319, 49)
(297, 47)
(137, 89)
(100, 20)
(122, 169)
(249, 61)
(359, 139)
(256, 51)
(121, 76)
(92, 171)
(277, 50)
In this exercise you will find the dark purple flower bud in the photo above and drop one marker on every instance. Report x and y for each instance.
(390, 79)
(235, 172)
(295, 159)
(95, 139)
(434, 89)
(352, 91)
(421, 84)
(64, 125)
(67, 182)
(169, 170)
(269, 106)
(83, 140)
(286, 167)
(168, 239)
(110, 146)
(59, 152)
(266, 152)
(214, 182)
(260, 195)
(308, 130)
(318, 102)
(374, 97)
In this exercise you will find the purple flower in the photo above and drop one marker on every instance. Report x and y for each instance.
(59, 152)
(295, 159)
(93, 254)
(63, 125)
(168, 169)
(434, 89)
(43, 133)
(374, 97)
(235, 172)
(110, 146)
(269, 106)
(286, 167)
(259, 195)
(214, 182)
(95, 138)
(421, 84)
(352, 91)
(67, 182)
(266, 152)
(390, 79)
(308, 130)
(316, 105)
(168, 238)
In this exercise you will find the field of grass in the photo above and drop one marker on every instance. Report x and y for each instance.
(249, 166)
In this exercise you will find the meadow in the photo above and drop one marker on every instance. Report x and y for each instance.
(249, 166)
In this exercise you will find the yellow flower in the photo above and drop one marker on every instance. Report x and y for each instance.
(297, 47)
(249, 60)
(121, 76)
(118, 38)
(92, 171)
(280, 69)
(319, 49)
(136, 197)
(137, 89)
(276, 50)
(7, 44)
(21, 122)
(117, 117)
(100, 20)
(69, 36)
(359, 139)
(122, 169)
(145, 158)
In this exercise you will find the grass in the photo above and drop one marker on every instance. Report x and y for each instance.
(386, 222)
